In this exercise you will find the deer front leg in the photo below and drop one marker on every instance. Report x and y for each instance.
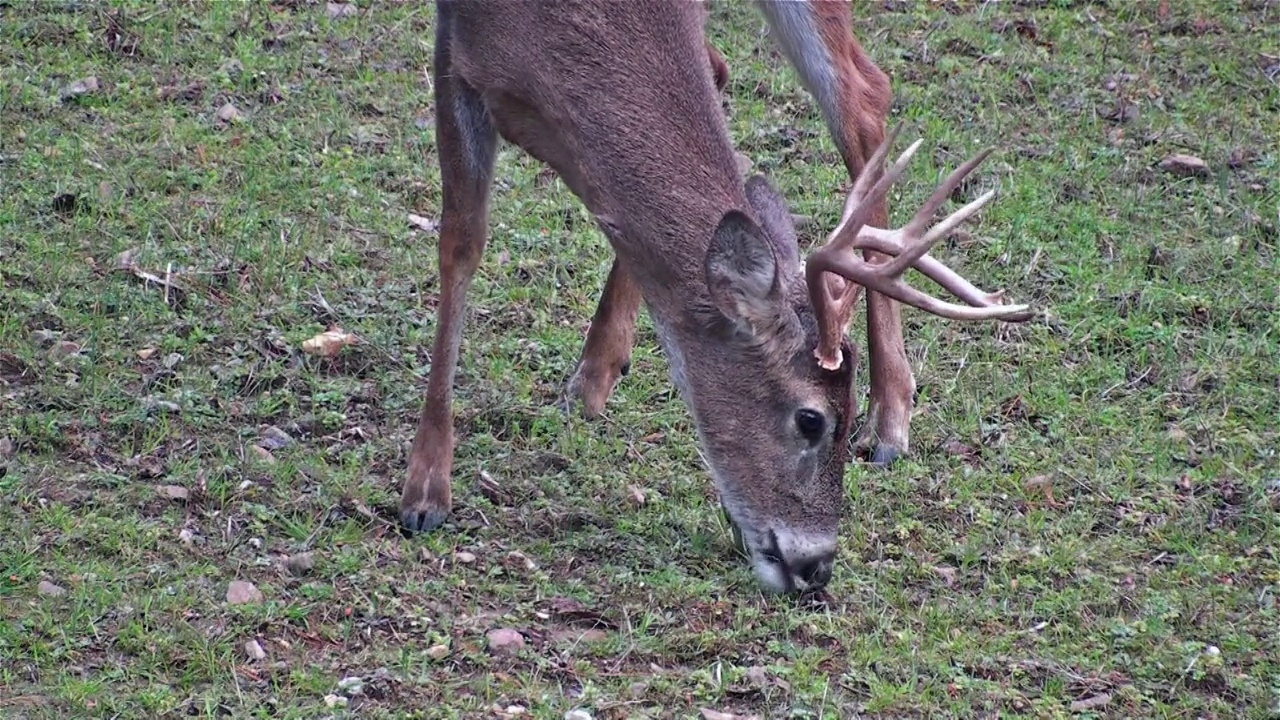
(466, 143)
(816, 36)
(606, 354)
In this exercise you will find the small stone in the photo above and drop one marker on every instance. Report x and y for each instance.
(351, 686)
(335, 701)
(253, 650)
(577, 714)
(437, 652)
(505, 640)
(300, 564)
(186, 537)
(464, 557)
(229, 113)
(44, 587)
(241, 592)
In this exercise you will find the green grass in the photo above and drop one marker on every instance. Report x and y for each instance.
(1148, 403)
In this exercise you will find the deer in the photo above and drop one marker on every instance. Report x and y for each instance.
(621, 100)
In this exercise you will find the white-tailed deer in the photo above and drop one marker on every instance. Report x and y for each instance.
(620, 99)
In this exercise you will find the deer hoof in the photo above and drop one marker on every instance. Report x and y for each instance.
(885, 455)
(421, 520)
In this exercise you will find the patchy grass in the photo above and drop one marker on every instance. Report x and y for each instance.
(1087, 524)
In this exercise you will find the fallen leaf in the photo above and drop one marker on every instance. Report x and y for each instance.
(1091, 703)
(273, 438)
(504, 640)
(48, 589)
(173, 492)
(464, 557)
(300, 564)
(263, 454)
(424, 224)
(709, 714)
(241, 592)
(329, 343)
(948, 574)
(1185, 166)
(253, 650)
(66, 348)
(336, 11)
(146, 353)
(83, 86)
(636, 495)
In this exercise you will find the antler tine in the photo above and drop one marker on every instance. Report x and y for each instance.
(910, 246)
(912, 253)
(863, 201)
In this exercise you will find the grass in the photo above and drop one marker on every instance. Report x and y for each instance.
(1087, 524)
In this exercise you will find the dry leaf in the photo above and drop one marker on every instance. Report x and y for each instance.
(424, 224)
(146, 353)
(636, 495)
(1091, 703)
(329, 343)
(301, 563)
(709, 714)
(1185, 166)
(253, 650)
(241, 592)
(80, 87)
(948, 574)
(337, 11)
(173, 492)
(263, 454)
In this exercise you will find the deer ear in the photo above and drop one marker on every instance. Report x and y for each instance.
(742, 272)
(775, 217)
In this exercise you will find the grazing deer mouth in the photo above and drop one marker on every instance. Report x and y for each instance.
(810, 574)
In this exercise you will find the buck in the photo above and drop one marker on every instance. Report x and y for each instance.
(621, 100)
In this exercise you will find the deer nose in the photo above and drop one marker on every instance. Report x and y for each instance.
(815, 573)
(807, 560)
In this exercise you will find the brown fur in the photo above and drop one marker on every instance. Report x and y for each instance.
(620, 99)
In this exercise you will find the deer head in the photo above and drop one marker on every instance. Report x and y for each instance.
(772, 397)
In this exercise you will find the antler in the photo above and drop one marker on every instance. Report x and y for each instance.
(834, 296)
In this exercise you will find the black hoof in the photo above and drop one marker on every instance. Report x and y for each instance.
(421, 521)
(884, 456)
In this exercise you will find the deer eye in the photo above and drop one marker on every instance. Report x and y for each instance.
(811, 424)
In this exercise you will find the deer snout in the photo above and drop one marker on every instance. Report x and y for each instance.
(803, 561)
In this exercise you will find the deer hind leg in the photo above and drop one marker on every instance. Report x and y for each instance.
(854, 95)
(466, 142)
(606, 354)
